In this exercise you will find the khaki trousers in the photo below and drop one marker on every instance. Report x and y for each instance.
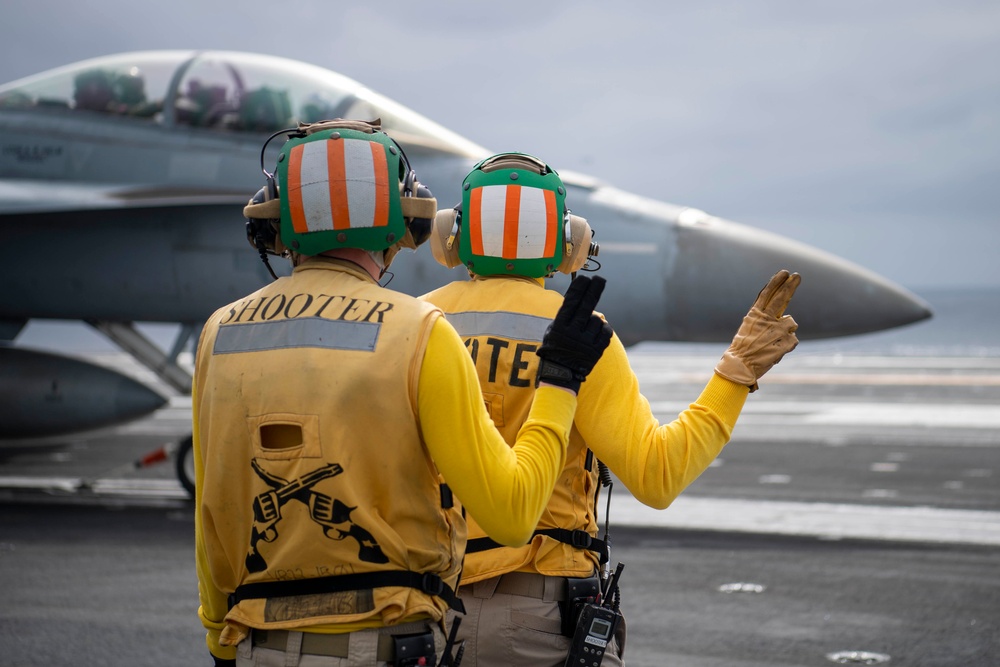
(362, 649)
(503, 629)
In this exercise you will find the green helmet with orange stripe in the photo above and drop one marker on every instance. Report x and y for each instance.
(513, 217)
(340, 189)
(339, 184)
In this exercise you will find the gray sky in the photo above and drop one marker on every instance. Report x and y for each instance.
(868, 129)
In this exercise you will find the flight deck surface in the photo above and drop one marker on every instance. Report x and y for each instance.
(854, 517)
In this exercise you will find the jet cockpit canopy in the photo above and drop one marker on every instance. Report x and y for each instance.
(221, 92)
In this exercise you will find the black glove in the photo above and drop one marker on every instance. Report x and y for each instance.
(576, 338)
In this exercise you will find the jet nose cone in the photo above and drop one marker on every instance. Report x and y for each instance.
(836, 297)
(131, 399)
(43, 394)
(841, 299)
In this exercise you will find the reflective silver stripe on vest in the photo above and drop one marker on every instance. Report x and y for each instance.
(299, 332)
(515, 326)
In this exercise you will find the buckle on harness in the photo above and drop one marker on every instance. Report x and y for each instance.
(581, 539)
(432, 584)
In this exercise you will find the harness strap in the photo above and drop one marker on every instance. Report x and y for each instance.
(578, 539)
(428, 582)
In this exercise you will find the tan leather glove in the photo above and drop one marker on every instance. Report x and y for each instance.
(765, 336)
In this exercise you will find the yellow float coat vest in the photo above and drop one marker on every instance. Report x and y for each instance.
(312, 458)
(502, 322)
(501, 319)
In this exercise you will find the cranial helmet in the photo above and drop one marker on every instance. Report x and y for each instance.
(339, 184)
(512, 220)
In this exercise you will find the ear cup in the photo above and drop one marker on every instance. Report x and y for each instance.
(445, 229)
(270, 188)
(410, 183)
(262, 232)
(420, 228)
(418, 225)
(577, 245)
(271, 194)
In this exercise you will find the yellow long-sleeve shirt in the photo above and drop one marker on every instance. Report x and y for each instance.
(504, 488)
(501, 320)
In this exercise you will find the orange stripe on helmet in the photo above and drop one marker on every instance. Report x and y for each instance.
(476, 221)
(551, 223)
(294, 190)
(381, 217)
(511, 215)
(338, 185)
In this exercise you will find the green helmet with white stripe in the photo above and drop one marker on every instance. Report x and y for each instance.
(340, 188)
(339, 184)
(513, 217)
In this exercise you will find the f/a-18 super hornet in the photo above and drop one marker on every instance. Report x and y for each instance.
(122, 181)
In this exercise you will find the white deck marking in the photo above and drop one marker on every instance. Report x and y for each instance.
(823, 520)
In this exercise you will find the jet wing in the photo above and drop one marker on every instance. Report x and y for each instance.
(19, 196)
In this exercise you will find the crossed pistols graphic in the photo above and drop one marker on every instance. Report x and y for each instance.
(324, 510)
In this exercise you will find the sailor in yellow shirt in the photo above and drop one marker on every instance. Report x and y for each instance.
(511, 230)
(339, 426)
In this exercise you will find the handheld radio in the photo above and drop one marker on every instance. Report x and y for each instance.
(595, 626)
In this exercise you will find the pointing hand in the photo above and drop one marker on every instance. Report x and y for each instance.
(766, 334)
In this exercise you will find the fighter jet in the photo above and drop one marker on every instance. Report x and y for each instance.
(122, 181)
